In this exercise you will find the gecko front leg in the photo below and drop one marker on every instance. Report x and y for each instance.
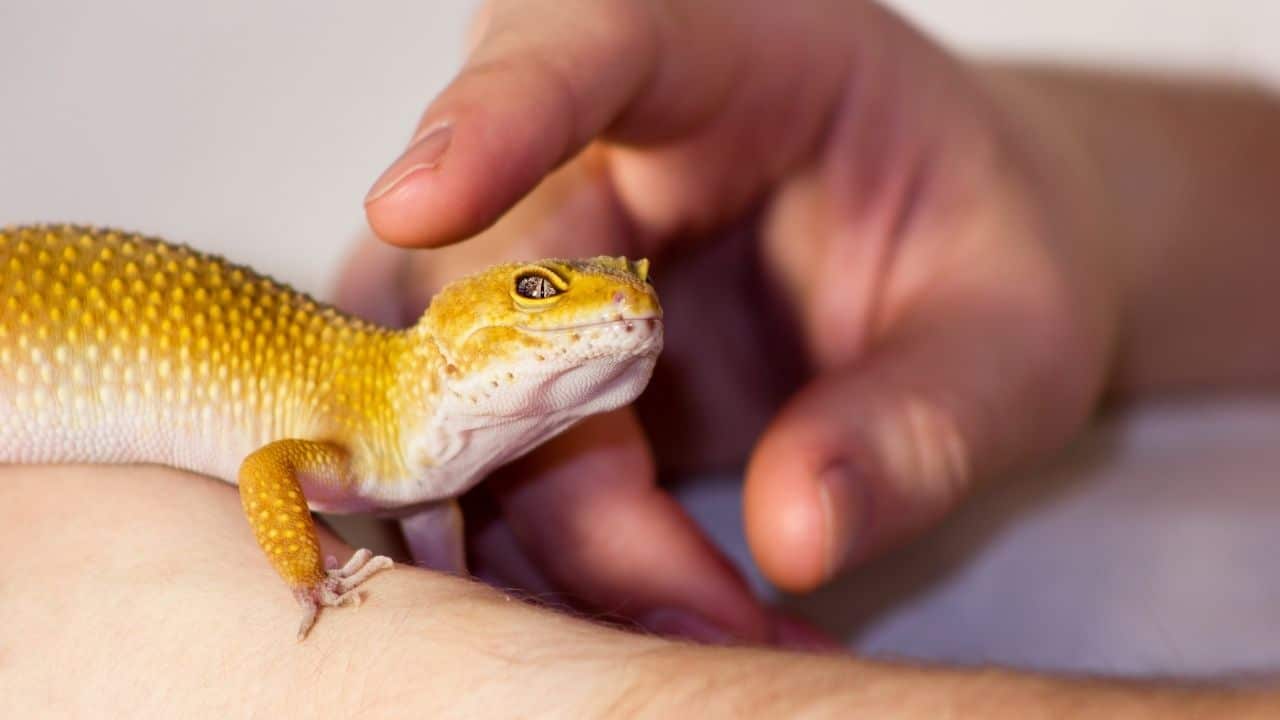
(435, 536)
(273, 501)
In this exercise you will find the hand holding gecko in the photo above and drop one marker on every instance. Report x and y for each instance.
(928, 242)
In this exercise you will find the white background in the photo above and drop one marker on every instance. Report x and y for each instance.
(253, 129)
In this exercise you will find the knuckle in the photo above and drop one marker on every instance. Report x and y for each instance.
(923, 446)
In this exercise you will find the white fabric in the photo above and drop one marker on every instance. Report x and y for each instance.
(1151, 547)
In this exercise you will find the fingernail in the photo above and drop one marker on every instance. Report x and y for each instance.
(843, 505)
(673, 622)
(423, 154)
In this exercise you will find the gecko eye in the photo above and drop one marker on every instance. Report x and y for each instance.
(535, 287)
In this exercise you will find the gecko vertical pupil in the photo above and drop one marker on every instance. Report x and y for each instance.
(535, 287)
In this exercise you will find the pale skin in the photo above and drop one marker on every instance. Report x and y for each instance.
(1136, 299)
(158, 610)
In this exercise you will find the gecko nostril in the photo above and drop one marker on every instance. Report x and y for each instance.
(618, 297)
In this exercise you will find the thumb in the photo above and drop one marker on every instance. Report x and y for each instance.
(870, 454)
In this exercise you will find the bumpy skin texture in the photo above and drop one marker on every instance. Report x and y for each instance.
(276, 507)
(117, 348)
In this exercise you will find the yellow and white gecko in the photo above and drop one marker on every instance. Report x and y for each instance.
(117, 348)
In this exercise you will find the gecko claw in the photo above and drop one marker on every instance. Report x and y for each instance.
(339, 587)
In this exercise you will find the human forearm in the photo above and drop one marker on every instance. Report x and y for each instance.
(1188, 175)
(138, 592)
(153, 601)
(765, 683)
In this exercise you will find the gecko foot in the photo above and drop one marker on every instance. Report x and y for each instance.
(339, 587)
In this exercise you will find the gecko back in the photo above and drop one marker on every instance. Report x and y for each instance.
(122, 348)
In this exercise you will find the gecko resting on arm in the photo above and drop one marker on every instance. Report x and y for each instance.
(118, 348)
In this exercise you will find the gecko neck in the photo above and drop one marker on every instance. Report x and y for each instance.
(393, 395)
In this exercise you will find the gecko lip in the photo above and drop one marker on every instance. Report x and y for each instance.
(654, 321)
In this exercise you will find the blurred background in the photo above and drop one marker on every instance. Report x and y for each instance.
(254, 129)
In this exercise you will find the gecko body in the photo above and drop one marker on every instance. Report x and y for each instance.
(119, 348)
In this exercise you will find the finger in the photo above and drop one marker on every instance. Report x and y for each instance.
(979, 380)
(435, 536)
(549, 76)
(535, 89)
(797, 634)
(568, 215)
(495, 556)
(587, 512)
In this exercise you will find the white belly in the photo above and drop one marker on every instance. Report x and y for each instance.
(39, 426)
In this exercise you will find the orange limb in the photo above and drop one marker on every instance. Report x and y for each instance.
(273, 501)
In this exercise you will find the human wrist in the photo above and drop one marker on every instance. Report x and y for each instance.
(1046, 190)
(1181, 170)
(758, 682)
(436, 644)
(1068, 178)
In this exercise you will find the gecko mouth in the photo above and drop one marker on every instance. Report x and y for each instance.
(645, 322)
(649, 328)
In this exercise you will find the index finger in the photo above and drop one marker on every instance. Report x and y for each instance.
(544, 79)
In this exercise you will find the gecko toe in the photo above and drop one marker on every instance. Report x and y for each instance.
(339, 587)
(358, 560)
(374, 565)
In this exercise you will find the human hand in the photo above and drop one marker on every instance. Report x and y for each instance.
(902, 287)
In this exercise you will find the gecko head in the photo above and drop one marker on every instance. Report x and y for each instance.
(555, 338)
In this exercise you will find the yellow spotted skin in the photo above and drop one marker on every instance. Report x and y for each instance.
(274, 503)
(102, 331)
(121, 348)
